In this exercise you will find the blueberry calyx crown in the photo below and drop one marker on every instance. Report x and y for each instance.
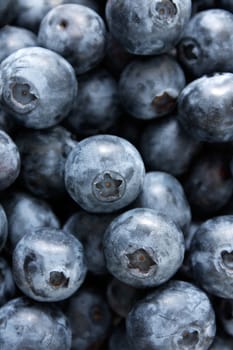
(189, 50)
(163, 102)
(57, 279)
(189, 338)
(20, 96)
(140, 260)
(166, 10)
(108, 186)
(22, 93)
(227, 259)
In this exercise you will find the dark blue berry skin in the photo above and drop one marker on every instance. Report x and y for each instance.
(118, 339)
(49, 264)
(43, 155)
(149, 88)
(163, 193)
(76, 32)
(209, 183)
(8, 11)
(211, 256)
(38, 87)
(205, 108)
(148, 27)
(104, 173)
(177, 316)
(15, 38)
(3, 227)
(143, 248)
(30, 14)
(162, 141)
(28, 213)
(10, 161)
(29, 325)
(7, 285)
(89, 229)
(96, 108)
(90, 319)
(121, 297)
(225, 314)
(207, 43)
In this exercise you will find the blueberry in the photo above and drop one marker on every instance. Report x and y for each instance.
(14, 38)
(121, 297)
(209, 183)
(10, 161)
(143, 248)
(3, 228)
(67, 223)
(30, 14)
(7, 285)
(149, 88)
(205, 108)
(177, 316)
(96, 108)
(48, 264)
(148, 27)
(28, 213)
(161, 143)
(207, 43)
(43, 154)
(90, 319)
(76, 32)
(38, 87)
(163, 193)
(212, 256)
(27, 325)
(104, 173)
(89, 229)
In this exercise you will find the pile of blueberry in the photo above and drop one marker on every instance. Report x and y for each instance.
(116, 175)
